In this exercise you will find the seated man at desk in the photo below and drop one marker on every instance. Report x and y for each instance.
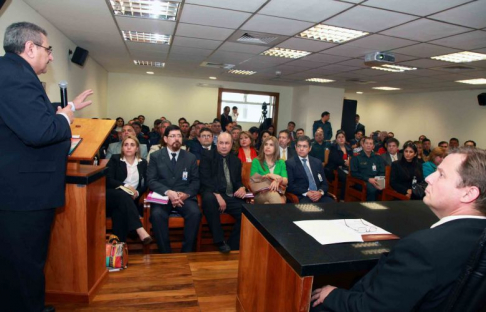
(421, 270)
(115, 148)
(306, 175)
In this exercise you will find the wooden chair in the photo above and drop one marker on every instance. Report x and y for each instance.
(388, 192)
(334, 185)
(354, 194)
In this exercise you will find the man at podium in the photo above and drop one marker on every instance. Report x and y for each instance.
(34, 144)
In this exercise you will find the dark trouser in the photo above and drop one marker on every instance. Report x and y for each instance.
(323, 199)
(24, 241)
(124, 213)
(210, 208)
(342, 179)
(159, 217)
(371, 192)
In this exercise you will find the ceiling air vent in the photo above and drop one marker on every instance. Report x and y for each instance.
(456, 68)
(256, 39)
(359, 81)
(217, 65)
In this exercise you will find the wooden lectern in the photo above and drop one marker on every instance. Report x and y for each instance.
(75, 267)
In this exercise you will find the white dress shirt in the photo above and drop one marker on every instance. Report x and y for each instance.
(170, 154)
(452, 218)
(132, 174)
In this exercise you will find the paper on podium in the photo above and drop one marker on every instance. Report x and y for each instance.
(342, 230)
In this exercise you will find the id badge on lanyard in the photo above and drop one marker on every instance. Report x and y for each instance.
(184, 174)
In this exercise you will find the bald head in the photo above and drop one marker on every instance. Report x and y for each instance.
(225, 143)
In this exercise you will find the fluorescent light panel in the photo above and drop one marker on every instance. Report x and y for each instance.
(156, 9)
(478, 81)
(287, 53)
(331, 34)
(242, 72)
(394, 68)
(149, 63)
(461, 57)
(144, 37)
(386, 88)
(387, 69)
(320, 80)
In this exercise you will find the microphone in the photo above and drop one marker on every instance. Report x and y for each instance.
(63, 86)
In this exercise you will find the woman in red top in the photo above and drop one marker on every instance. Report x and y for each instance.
(246, 151)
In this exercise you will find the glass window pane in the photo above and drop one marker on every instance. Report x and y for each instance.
(253, 98)
(230, 96)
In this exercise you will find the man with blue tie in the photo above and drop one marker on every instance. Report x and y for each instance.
(306, 175)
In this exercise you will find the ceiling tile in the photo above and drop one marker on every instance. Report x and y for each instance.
(368, 72)
(427, 72)
(212, 16)
(472, 14)
(285, 69)
(425, 50)
(186, 57)
(381, 43)
(394, 77)
(354, 62)
(324, 58)
(308, 10)
(423, 63)
(472, 40)
(195, 43)
(425, 30)
(191, 51)
(305, 45)
(204, 32)
(359, 18)
(147, 47)
(403, 57)
(275, 25)
(242, 48)
(238, 5)
(349, 51)
(306, 64)
(337, 68)
(229, 57)
(146, 25)
(148, 56)
(416, 7)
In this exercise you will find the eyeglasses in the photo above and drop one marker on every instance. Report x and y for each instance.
(206, 136)
(48, 50)
(173, 136)
(361, 228)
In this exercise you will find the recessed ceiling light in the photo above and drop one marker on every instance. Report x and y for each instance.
(461, 57)
(150, 73)
(386, 88)
(387, 69)
(148, 63)
(287, 53)
(394, 68)
(359, 92)
(242, 72)
(156, 9)
(331, 34)
(144, 37)
(320, 80)
(213, 78)
(477, 81)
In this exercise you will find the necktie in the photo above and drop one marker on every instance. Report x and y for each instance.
(173, 160)
(312, 183)
(284, 157)
(229, 185)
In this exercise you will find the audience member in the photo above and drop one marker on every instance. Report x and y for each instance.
(235, 114)
(299, 132)
(470, 143)
(229, 127)
(174, 173)
(359, 126)
(380, 142)
(225, 119)
(203, 142)
(359, 147)
(235, 134)
(426, 146)
(271, 130)
(145, 129)
(163, 125)
(392, 153)
(325, 125)
(265, 134)
(407, 171)
(421, 270)
(285, 152)
(154, 135)
(222, 191)
(367, 166)
(358, 134)
(453, 143)
(306, 178)
(391, 134)
(120, 122)
(318, 147)
(216, 129)
(126, 170)
(435, 158)
(137, 127)
(246, 151)
(421, 158)
(181, 121)
(339, 156)
(444, 145)
(290, 129)
(185, 130)
(254, 133)
(115, 148)
(422, 137)
(269, 166)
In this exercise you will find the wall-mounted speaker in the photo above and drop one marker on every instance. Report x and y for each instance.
(482, 99)
(79, 56)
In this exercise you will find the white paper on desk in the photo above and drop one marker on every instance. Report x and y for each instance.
(329, 231)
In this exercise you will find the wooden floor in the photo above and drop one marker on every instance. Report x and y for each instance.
(204, 281)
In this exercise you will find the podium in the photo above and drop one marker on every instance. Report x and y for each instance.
(75, 266)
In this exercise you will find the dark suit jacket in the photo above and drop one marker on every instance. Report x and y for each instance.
(196, 148)
(162, 177)
(212, 174)
(145, 129)
(418, 273)
(336, 156)
(225, 120)
(117, 173)
(361, 127)
(34, 141)
(298, 183)
(387, 158)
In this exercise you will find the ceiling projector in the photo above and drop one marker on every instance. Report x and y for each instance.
(379, 58)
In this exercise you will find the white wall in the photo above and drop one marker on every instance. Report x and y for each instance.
(130, 95)
(91, 76)
(438, 115)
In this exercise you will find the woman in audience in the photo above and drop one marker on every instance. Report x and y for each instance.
(246, 151)
(406, 171)
(119, 124)
(359, 147)
(126, 172)
(435, 158)
(263, 135)
(271, 130)
(421, 158)
(269, 166)
(339, 156)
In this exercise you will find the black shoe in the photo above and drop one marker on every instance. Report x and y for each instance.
(224, 248)
(49, 309)
(147, 240)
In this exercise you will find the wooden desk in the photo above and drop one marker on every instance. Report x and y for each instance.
(278, 260)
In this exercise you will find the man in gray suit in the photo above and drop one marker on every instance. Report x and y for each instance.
(174, 173)
(392, 153)
(115, 148)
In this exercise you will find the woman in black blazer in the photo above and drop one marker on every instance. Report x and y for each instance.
(406, 170)
(339, 155)
(130, 171)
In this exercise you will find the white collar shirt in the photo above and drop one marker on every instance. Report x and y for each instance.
(170, 154)
(132, 173)
(452, 218)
